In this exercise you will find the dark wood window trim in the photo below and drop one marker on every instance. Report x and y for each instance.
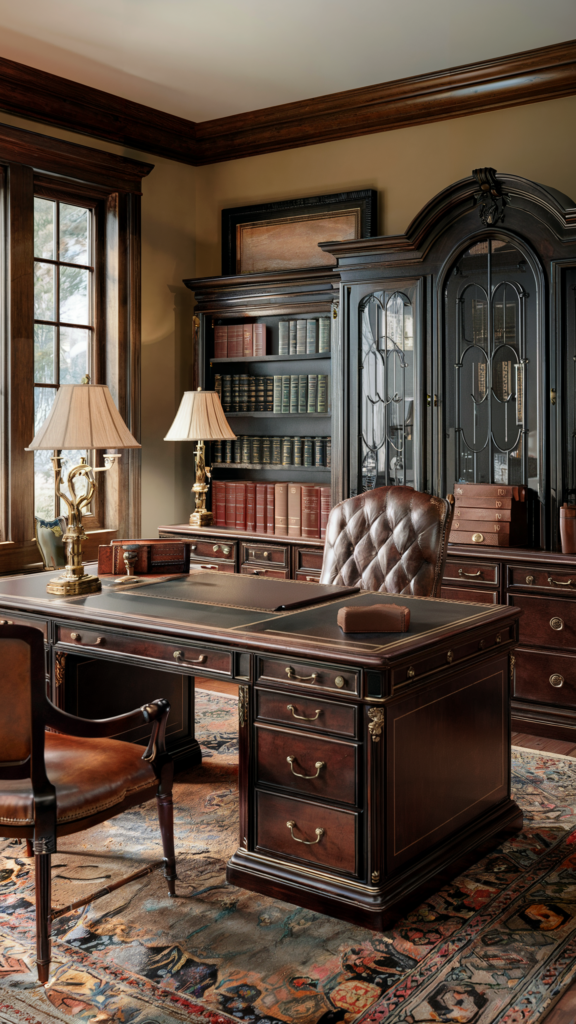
(112, 185)
(526, 77)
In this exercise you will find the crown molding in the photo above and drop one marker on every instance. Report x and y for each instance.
(527, 77)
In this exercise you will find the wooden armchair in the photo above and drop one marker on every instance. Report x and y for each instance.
(56, 783)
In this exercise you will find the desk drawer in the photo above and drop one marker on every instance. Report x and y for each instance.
(530, 578)
(308, 558)
(313, 765)
(212, 549)
(196, 659)
(265, 554)
(7, 618)
(473, 594)
(545, 677)
(305, 576)
(334, 845)
(199, 564)
(339, 680)
(546, 622)
(472, 572)
(458, 652)
(307, 713)
(263, 570)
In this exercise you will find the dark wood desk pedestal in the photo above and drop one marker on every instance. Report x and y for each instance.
(372, 767)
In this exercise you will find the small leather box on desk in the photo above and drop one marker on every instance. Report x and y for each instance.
(489, 514)
(374, 618)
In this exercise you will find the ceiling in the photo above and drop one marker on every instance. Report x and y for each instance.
(202, 59)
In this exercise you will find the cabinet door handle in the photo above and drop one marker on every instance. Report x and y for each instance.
(318, 766)
(303, 718)
(556, 680)
(307, 842)
(470, 575)
(560, 583)
(300, 679)
(179, 656)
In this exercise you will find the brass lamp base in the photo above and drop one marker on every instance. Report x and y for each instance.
(73, 586)
(201, 518)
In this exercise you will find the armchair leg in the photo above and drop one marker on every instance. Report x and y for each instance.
(166, 821)
(43, 914)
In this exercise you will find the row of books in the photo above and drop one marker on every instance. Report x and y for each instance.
(274, 451)
(296, 393)
(303, 337)
(237, 340)
(287, 509)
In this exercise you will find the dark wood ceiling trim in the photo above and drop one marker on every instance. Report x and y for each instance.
(527, 77)
(117, 173)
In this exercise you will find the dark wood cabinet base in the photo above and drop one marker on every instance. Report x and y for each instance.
(376, 906)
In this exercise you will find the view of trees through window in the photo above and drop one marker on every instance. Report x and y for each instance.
(63, 322)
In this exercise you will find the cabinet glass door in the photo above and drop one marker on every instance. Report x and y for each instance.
(387, 388)
(492, 368)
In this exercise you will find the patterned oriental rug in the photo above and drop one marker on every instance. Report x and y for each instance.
(496, 945)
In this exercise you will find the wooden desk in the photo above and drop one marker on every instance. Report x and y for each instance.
(372, 767)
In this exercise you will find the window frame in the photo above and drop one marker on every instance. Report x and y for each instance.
(112, 183)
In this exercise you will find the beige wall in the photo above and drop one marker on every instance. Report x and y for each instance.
(407, 167)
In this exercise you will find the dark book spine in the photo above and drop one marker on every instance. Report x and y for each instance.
(276, 451)
(294, 393)
(252, 394)
(219, 502)
(312, 391)
(230, 504)
(307, 447)
(302, 393)
(246, 449)
(260, 394)
(266, 451)
(217, 451)
(285, 393)
(319, 451)
(256, 450)
(235, 392)
(218, 386)
(227, 392)
(277, 393)
(238, 450)
(228, 451)
(244, 392)
(328, 451)
(297, 449)
(293, 338)
(269, 386)
(286, 451)
(283, 338)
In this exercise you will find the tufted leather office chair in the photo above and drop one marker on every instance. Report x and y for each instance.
(391, 539)
(53, 785)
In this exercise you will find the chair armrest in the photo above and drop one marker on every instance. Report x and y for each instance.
(71, 725)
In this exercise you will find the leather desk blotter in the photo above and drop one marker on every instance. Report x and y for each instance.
(375, 618)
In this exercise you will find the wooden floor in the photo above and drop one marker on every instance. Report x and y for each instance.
(564, 1012)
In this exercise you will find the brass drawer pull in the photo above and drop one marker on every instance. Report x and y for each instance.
(7, 622)
(99, 641)
(339, 682)
(179, 656)
(258, 554)
(318, 766)
(307, 842)
(530, 579)
(221, 547)
(560, 583)
(75, 636)
(470, 575)
(556, 622)
(193, 547)
(300, 679)
(303, 718)
(556, 680)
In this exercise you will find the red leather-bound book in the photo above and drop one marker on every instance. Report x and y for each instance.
(240, 505)
(261, 508)
(269, 508)
(230, 504)
(310, 510)
(247, 340)
(219, 502)
(235, 340)
(325, 506)
(259, 339)
(220, 341)
(281, 509)
(294, 510)
(250, 506)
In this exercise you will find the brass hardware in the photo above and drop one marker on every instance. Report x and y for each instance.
(557, 623)
(193, 547)
(243, 705)
(530, 579)
(560, 583)
(512, 665)
(226, 550)
(312, 579)
(449, 657)
(201, 516)
(245, 842)
(179, 656)
(59, 669)
(377, 724)
(428, 400)
(556, 680)
(375, 877)
(221, 547)
(552, 396)
(481, 645)
(477, 538)
(339, 682)
(265, 554)
(435, 401)
(318, 766)
(307, 842)
(300, 679)
(303, 718)
(6, 622)
(411, 672)
(216, 547)
(470, 575)
(99, 640)
(75, 636)
(499, 638)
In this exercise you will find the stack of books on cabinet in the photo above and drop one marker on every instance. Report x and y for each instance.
(285, 509)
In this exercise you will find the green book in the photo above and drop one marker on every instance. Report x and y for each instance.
(294, 392)
(285, 393)
(322, 399)
(302, 393)
(311, 335)
(277, 407)
(269, 389)
(293, 342)
(283, 338)
(312, 391)
(301, 327)
(324, 334)
(286, 451)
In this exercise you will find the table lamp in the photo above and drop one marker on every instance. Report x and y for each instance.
(200, 418)
(83, 416)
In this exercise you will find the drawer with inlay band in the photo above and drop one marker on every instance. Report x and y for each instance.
(264, 570)
(212, 549)
(453, 656)
(472, 572)
(7, 618)
(265, 554)
(198, 660)
(307, 674)
(309, 764)
(531, 578)
(304, 830)
(546, 622)
(545, 677)
(308, 713)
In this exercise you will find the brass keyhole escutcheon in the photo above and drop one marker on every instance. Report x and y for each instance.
(450, 657)
(556, 622)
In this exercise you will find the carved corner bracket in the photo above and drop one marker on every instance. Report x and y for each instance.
(376, 726)
(243, 705)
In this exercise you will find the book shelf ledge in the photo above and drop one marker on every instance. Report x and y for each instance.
(270, 358)
(271, 466)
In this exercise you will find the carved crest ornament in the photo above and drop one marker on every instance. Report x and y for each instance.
(490, 196)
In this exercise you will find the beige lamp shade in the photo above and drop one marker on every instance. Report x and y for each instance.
(83, 416)
(200, 418)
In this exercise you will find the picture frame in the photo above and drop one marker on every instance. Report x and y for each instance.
(284, 235)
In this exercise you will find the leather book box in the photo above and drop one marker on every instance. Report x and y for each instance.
(155, 557)
(375, 618)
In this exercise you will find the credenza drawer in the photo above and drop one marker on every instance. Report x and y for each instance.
(473, 594)
(7, 618)
(307, 831)
(202, 564)
(546, 622)
(310, 764)
(342, 680)
(545, 677)
(308, 558)
(196, 659)
(263, 570)
(472, 572)
(265, 554)
(210, 548)
(530, 578)
(306, 576)
(308, 713)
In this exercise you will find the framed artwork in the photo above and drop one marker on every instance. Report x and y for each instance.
(285, 235)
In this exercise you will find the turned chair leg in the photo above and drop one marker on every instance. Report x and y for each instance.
(29, 848)
(166, 822)
(43, 914)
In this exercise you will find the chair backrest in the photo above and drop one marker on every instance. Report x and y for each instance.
(23, 700)
(392, 539)
(49, 534)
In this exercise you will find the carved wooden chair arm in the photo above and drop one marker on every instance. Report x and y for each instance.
(155, 712)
